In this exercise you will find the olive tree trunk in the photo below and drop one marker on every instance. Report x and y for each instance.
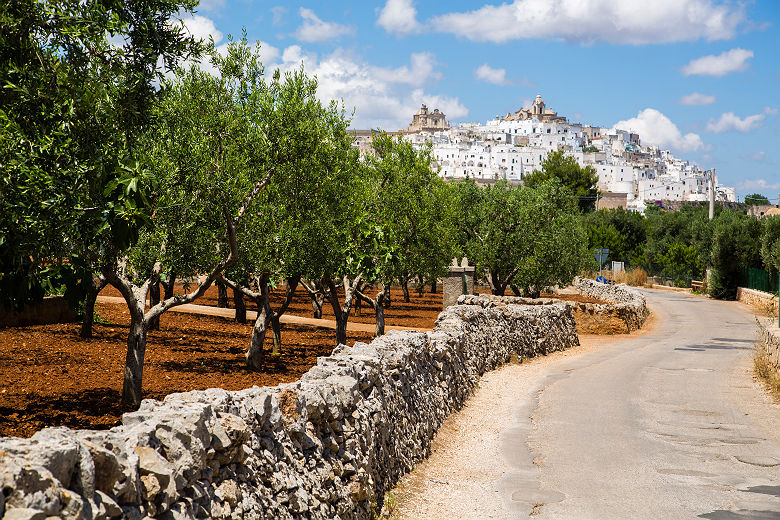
(317, 298)
(132, 387)
(254, 354)
(378, 304)
(169, 286)
(341, 311)
(88, 320)
(405, 289)
(292, 285)
(240, 305)
(154, 299)
(222, 295)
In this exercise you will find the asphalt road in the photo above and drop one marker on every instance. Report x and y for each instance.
(668, 425)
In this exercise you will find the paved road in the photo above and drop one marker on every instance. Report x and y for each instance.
(662, 426)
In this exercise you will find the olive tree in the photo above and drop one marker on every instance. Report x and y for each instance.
(72, 105)
(526, 238)
(413, 204)
(212, 151)
(284, 236)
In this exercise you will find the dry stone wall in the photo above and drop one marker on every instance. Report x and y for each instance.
(761, 301)
(769, 341)
(625, 312)
(327, 446)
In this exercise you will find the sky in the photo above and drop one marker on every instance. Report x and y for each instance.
(699, 77)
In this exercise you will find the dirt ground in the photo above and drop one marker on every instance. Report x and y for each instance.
(49, 376)
(421, 311)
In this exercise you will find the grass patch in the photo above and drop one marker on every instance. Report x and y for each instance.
(766, 370)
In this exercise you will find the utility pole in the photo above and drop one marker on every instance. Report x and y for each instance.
(712, 193)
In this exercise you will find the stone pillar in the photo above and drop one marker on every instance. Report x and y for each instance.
(459, 280)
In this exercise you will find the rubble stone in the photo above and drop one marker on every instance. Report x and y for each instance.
(328, 445)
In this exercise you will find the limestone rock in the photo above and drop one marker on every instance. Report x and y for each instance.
(24, 513)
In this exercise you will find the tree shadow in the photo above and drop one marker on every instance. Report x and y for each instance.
(97, 408)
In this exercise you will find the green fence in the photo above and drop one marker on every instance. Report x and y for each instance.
(759, 280)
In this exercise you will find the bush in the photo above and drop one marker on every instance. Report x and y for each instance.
(735, 247)
(634, 277)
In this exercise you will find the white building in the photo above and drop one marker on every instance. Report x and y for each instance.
(512, 146)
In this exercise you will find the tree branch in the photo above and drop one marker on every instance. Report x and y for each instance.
(237, 287)
(182, 299)
(258, 187)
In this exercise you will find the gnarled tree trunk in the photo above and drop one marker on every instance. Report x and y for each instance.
(88, 319)
(405, 290)
(240, 305)
(169, 286)
(134, 362)
(317, 298)
(276, 328)
(292, 285)
(154, 299)
(254, 355)
(222, 295)
(434, 286)
(378, 304)
(341, 312)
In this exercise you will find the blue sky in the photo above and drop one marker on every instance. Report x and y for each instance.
(701, 77)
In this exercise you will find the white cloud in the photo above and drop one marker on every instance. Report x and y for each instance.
(278, 12)
(758, 185)
(758, 156)
(399, 17)
(770, 111)
(313, 29)
(487, 73)
(379, 95)
(637, 22)
(697, 99)
(655, 128)
(421, 71)
(721, 64)
(729, 122)
(201, 27)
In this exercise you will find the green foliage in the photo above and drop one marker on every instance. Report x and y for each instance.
(770, 243)
(71, 106)
(689, 227)
(581, 181)
(756, 199)
(680, 263)
(590, 149)
(412, 202)
(527, 237)
(216, 139)
(735, 247)
(622, 232)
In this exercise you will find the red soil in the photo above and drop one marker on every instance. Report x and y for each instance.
(49, 376)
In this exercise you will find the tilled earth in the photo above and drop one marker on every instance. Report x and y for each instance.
(50, 376)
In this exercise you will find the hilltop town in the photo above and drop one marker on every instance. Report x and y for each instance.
(631, 175)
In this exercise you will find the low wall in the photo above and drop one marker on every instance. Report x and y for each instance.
(625, 312)
(327, 446)
(759, 300)
(769, 341)
(52, 309)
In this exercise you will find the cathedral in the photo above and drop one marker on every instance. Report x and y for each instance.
(537, 111)
(427, 121)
